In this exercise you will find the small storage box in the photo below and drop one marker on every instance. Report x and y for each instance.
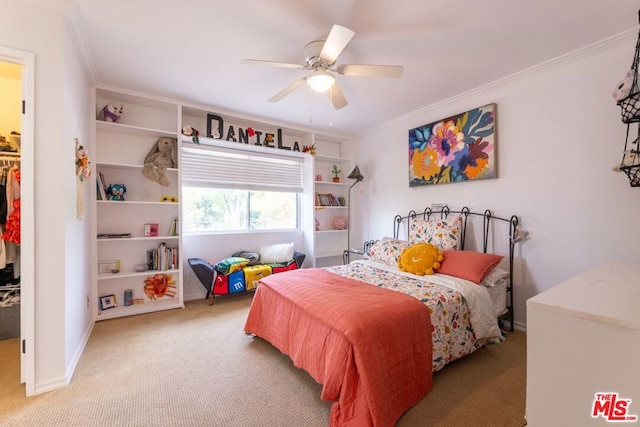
(236, 282)
(221, 285)
(253, 274)
(280, 268)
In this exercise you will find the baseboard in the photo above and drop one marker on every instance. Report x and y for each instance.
(71, 368)
(519, 326)
(51, 385)
(192, 296)
(78, 354)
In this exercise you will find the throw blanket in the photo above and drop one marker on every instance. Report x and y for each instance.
(369, 347)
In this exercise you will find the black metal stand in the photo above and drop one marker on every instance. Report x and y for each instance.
(630, 110)
(346, 255)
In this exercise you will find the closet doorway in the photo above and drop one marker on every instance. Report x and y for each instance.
(16, 209)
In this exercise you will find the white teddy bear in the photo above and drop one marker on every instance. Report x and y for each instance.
(111, 112)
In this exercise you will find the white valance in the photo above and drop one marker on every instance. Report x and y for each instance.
(210, 166)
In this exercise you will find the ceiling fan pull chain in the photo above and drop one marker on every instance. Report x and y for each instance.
(310, 109)
(331, 109)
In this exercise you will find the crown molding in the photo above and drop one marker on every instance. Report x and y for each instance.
(69, 9)
(79, 38)
(624, 36)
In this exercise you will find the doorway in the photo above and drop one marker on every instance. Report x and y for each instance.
(17, 174)
(10, 139)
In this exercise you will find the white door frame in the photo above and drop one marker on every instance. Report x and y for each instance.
(27, 215)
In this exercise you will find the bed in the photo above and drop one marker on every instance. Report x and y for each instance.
(373, 335)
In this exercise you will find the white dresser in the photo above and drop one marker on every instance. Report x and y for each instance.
(583, 338)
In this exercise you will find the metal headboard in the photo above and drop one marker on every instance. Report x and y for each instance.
(487, 219)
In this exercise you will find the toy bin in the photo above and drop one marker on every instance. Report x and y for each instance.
(236, 282)
(221, 285)
(253, 274)
(280, 268)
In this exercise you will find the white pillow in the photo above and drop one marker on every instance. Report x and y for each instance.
(497, 276)
(281, 252)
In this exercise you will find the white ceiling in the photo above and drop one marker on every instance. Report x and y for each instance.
(191, 49)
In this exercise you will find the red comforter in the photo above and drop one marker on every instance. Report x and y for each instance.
(369, 347)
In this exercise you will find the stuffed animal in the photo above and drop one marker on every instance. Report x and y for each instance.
(83, 171)
(163, 155)
(623, 88)
(111, 112)
(116, 192)
(420, 259)
(192, 132)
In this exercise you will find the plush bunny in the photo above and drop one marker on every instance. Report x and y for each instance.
(163, 155)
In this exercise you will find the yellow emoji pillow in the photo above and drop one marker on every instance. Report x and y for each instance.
(420, 259)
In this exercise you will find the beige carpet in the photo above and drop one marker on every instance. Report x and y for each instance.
(195, 367)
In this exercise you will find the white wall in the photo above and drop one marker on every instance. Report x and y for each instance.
(559, 134)
(77, 108)
(46, 38)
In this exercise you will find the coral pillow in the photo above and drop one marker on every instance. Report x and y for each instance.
(469, 265)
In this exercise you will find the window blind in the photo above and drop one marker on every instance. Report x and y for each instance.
(208, 166)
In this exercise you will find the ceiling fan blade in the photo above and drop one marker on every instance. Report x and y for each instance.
(272, 63)
(339, 37)
(392, 71)
(337, 97)
(287, 90)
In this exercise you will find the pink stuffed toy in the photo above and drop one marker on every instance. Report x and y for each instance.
(623, 88)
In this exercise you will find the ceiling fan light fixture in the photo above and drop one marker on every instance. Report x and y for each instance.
(321, 81)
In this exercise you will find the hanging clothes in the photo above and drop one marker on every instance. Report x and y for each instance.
(12, 225)
(4, 171)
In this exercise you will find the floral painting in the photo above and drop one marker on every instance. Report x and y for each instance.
(455, 149)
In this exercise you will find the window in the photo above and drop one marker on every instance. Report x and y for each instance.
(220, 209)
(230, 190)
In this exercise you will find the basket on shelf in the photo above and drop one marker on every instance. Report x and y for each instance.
(630, 111)
(630, 164)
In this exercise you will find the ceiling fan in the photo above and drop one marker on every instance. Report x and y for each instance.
(320, 58)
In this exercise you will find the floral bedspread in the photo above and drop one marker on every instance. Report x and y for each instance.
(452, 333)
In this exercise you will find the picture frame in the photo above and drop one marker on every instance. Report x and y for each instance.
(151, 230)
(342, 201)
(109, 266)
(108, 301)
(458, 148)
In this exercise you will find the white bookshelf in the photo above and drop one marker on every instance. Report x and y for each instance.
(121, 148)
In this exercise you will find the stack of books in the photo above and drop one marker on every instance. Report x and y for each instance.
(162, 258)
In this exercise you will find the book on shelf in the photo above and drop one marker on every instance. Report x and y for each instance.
(102, 187)
(114, 235)
(162, 258)
(100, 193)
(173, 228)
(326, 199)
